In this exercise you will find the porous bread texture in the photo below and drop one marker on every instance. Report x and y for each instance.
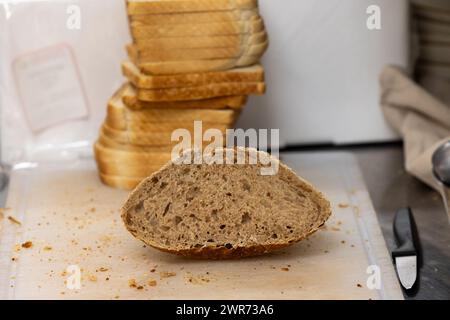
(223, 211)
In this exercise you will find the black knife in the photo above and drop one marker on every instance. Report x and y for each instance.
(406, 255)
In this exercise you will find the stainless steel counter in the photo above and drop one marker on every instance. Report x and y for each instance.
(391, 188)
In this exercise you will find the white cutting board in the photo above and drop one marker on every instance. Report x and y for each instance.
(68, 209)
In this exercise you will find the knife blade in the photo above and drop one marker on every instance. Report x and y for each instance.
(406, 255)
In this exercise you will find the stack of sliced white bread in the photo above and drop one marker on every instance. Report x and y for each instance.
(190, 60)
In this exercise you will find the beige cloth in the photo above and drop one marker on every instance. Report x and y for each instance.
(421, 119)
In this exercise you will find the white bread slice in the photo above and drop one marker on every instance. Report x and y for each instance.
(184, 210)
(110, 143)
(202, 92)
(153, 139)
(120, 182)
(253, 73)
(118, 112)
(135, 7)
(149, 127)
(157, 156)
(129, 165)
(159, 54)
(252, 26)
(195, 66)
(154, 127)
(130, 99)
(236, 41)
(194, 17)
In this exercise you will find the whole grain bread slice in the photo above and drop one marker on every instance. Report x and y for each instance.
(130, 99)
(254, 73)
(137, 7)
(219, 211)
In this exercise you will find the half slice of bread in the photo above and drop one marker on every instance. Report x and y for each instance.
(140, 80)
(224, 211)
(176, 6)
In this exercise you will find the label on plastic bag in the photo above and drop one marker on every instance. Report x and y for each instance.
(49, 87)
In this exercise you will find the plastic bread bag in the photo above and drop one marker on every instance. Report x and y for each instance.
(59, 64)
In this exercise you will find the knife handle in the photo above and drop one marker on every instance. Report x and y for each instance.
(403, 230)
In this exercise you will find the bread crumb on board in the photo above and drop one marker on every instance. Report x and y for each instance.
(343, 205)
(152, 283)
(47, 248)
(14, 220)
(285, 269)
(27, 245)
(166, 274)
(132, 283)
(197, 279)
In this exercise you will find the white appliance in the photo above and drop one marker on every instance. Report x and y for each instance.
(322, 69)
